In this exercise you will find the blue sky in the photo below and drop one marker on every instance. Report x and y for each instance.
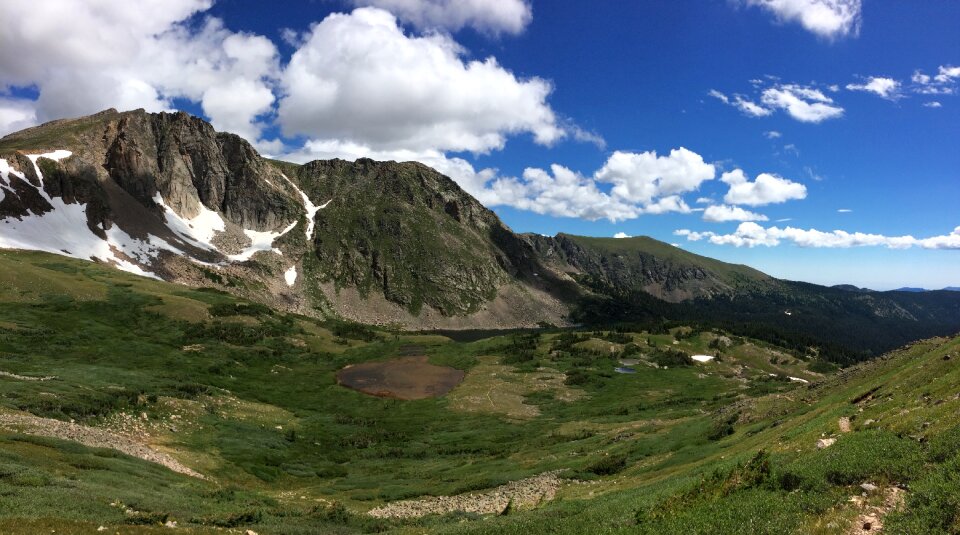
(577, 123)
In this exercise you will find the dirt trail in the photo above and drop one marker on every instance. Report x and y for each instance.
(870, 520)
(92, 437)
(524, 493)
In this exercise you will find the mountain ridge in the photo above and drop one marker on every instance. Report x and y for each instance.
(388, 243)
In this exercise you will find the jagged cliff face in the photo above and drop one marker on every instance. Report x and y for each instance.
(165, 195)
(149, 193)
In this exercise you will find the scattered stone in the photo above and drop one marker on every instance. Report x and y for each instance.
(170, 523)
(871, 421)
(27, 377)
(844, 424)
(524, 493)
(825, 443)
(92, 437)
(102, 528)
(869, 487)
(249, 532)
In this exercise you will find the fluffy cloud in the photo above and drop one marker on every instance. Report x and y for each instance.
(560, 192)
(943, 83)
(772, 134)
(621, 235)
(360, 78)
(751, 108)
(933, 104)
(722, 213)
(803, 103)
(887, 88)
(826, 18)
(641, 183)
(154, 56)
(766, 189)
(493, 16)
(642, 177)
(752, 235)
(947, 74)
(748, 107)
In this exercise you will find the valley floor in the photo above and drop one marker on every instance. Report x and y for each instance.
(162, 405)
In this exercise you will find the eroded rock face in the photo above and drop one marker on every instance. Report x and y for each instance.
(188, 163)
(412, 234)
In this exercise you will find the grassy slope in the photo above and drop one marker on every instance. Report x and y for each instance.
(729, 273)
(257, 410)
(53, 135)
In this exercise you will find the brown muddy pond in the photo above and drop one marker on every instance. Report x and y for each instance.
(400, 378)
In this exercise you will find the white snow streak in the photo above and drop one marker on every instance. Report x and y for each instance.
(702, 358)
(308, 205)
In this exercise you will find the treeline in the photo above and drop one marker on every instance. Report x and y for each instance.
(844, 327)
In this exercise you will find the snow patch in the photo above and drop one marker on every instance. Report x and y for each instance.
(798, 380)
(200, 230)
(702, 358)
(291, 276)
(260, 241)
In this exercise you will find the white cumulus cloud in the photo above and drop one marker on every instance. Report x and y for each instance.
(359, 78)
(639, 183)
(942, 83)
(723, 213)
(804, 104)
(887, 88)
(621, 235)
(151, 55)
(766, 189)
(642, 177)
(753, 235)
(826, 18)
(493, 16)
(559, 192)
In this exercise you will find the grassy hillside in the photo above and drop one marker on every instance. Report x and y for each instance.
(731, 274)
(247, 398)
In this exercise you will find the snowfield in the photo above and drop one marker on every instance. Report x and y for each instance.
(64, 230)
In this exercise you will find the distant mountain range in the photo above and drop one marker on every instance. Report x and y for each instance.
(165, 195)
(918, 290)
